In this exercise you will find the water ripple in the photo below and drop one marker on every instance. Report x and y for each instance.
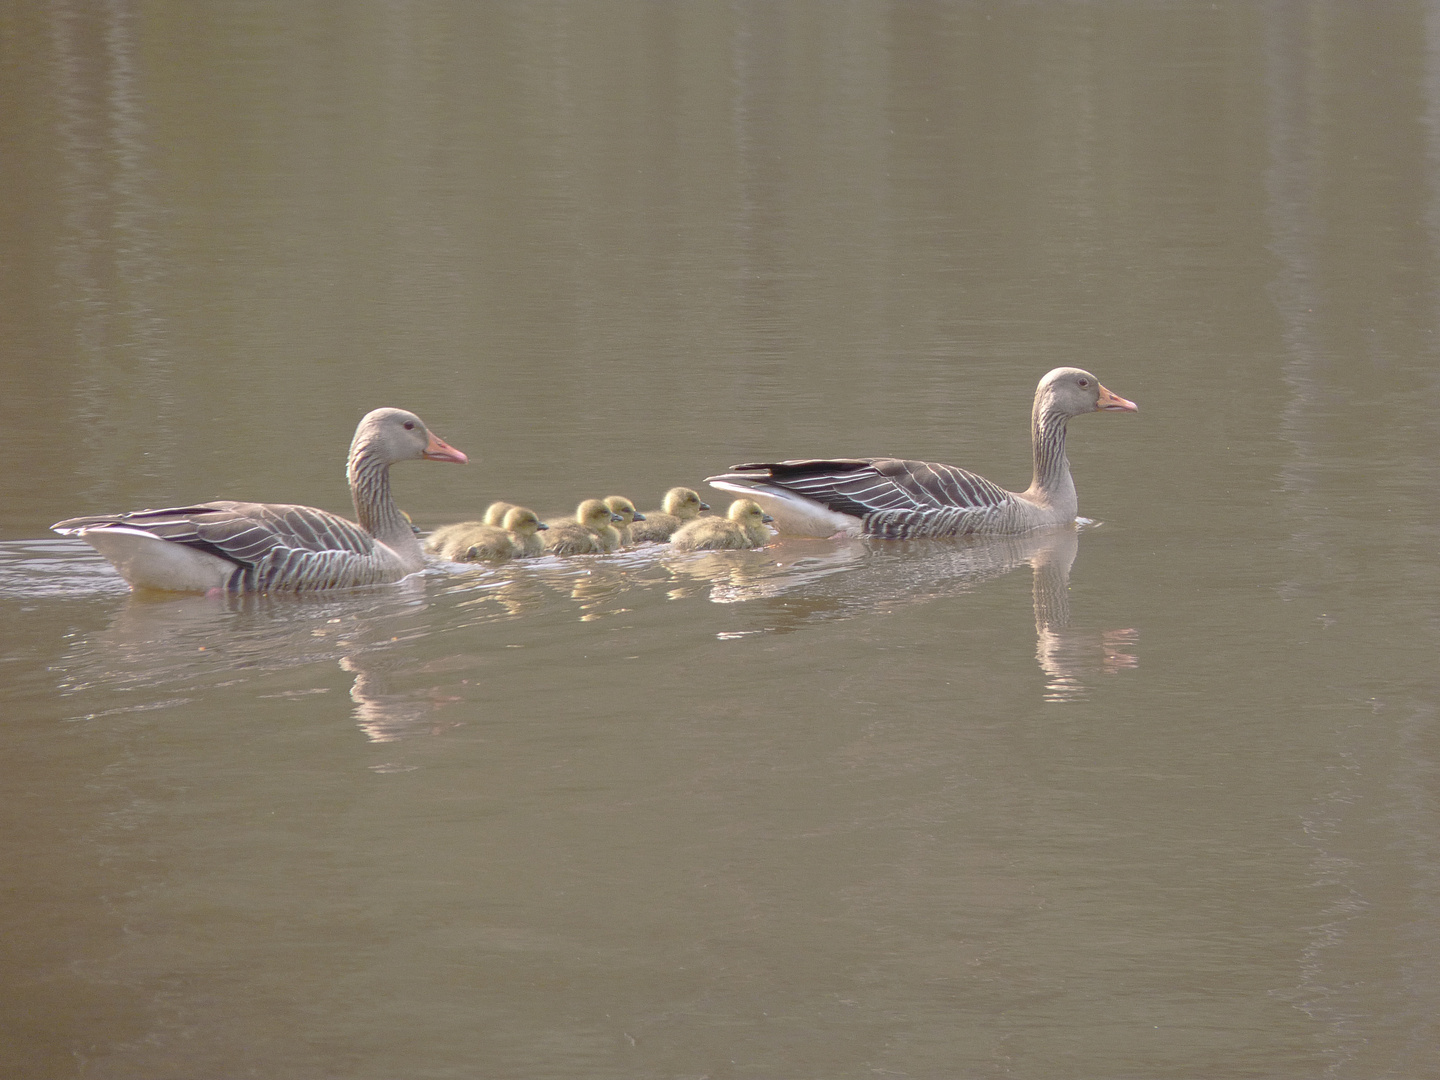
(191, 641)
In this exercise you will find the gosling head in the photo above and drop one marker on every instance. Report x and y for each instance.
(594, 514)
(622, 506)
(747, 511)
(526, 522)
(683, 503)
(496, 511)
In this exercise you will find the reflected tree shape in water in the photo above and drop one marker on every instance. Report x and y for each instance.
(110, 255)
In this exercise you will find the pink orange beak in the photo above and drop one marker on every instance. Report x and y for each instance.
(437, 449)
(1114, 402)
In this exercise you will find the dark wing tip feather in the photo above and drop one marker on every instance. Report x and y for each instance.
(799, 466)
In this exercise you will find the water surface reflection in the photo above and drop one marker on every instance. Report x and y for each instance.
(801, 581)
(414, 649)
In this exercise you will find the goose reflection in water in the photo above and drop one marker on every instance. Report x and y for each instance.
(1066, 653)
(206, 640)
(205, 643)
(877, 575)
(387, 708)
(201, 644)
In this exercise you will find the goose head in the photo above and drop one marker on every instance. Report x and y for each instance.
(1069, 391)
(391, 435)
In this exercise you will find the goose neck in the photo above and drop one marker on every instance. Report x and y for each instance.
(375, 509)
(1051, 482)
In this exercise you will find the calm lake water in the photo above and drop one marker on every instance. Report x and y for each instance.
(1160, 797)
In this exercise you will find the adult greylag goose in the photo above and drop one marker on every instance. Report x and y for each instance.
(897, 499)
(744, 526)
(517, 537)
(591, 532)
(681, 504)
(256, 547)
(625, 510)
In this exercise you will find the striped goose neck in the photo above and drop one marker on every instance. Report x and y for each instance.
(375, 509)
(1051, 478)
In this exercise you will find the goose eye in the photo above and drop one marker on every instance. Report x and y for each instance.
(409, 425)
(1084, 382)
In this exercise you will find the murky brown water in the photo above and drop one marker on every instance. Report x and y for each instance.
(1156, 799)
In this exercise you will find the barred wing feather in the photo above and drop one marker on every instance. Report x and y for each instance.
(893, 497)
(272, 545)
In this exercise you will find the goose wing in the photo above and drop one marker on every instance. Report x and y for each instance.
(893, 497)
(272, 545)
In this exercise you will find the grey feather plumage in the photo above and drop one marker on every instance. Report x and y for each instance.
(254, 547)
(894, 498)
(898, 498)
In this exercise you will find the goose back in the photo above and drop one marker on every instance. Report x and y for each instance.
(895, 498)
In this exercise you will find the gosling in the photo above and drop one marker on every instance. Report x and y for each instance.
(681, 504)
(524, 527)
(742, 527)
(628, 515)
(592, 532)
(475, 541)
(495, 513)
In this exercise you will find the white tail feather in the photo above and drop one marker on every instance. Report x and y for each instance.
(794, 514)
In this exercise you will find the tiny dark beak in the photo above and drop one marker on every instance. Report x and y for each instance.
(541, 527)
(766, 518)
(639, 516)
(704, 506)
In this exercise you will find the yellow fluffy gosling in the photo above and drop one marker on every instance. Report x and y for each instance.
(628, 515)
(453, 542)
(681, 504)
(496, 511)
(525, 527)
(742, 527)
(475, 541)
(592, 532)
